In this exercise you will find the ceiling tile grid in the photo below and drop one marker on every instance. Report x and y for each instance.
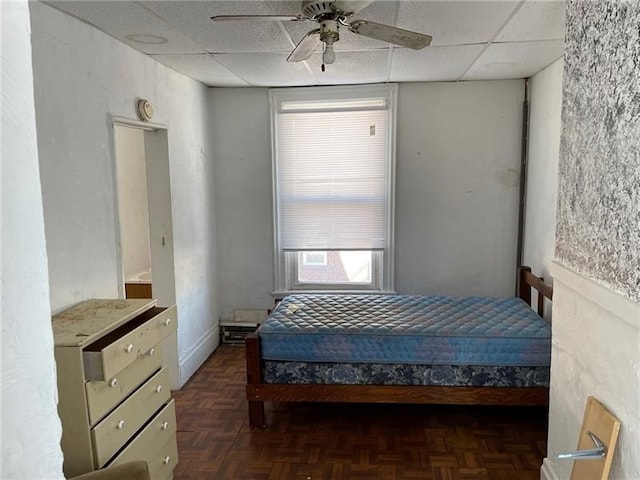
(433, 64)
(456, 22)
(121, 18)
(472, 39)
(204, 68)
(514, 60)
(267, 70)
(536, 20)
(193, 19)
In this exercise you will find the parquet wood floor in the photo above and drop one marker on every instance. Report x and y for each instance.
(347, 441)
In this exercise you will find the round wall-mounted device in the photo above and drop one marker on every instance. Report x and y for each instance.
(145, 110)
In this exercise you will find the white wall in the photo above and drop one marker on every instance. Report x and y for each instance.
(596, 352)
(542, 170)
(30, 428)
(458, 171)
(244, 219)
(83, 77)
(133, 205)
(458, 160)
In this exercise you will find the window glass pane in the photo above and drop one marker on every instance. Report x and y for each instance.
(340, 267)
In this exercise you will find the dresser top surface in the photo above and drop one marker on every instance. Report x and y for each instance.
(88, 321)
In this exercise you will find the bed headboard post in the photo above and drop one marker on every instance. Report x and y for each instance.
(527, 280)
(524, 288)
(541, 301)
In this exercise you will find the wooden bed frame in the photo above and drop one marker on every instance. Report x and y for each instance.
(259, 392)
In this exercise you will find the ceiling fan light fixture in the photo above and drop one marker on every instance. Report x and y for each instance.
(331, 14)
(329, 34)
(328, 56)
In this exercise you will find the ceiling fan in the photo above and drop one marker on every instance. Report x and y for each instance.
(331, 15)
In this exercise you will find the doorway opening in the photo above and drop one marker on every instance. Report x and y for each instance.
(144, 211)
(145, 224)
(133, 211)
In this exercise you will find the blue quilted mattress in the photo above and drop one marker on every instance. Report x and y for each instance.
(435, 330)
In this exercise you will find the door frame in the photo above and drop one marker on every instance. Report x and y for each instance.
(161, 245)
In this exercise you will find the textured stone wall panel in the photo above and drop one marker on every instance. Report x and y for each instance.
(598, 230)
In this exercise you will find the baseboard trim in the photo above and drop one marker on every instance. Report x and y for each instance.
(546, 472)
(198, 354)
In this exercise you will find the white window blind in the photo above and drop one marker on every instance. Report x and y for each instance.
(332, 175)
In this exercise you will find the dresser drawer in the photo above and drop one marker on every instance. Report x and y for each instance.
(163, 461)
(109, 355)
(103, 396)
(154, 435)
(120, 425)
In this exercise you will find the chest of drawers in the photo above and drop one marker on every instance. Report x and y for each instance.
(114, 391)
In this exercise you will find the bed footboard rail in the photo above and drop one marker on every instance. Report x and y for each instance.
(416, 394)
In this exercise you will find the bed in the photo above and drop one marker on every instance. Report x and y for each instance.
(402, 349)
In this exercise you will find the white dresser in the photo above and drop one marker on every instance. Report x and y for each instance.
(114, 392)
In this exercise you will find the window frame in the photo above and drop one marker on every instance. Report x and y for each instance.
(286, 262)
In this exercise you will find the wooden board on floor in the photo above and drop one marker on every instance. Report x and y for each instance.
(599, 421)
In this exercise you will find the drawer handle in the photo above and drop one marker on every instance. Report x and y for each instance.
(158, 388)
(152, 352)
(166, 322)
(120, 425)
(113, 382)
(164, 425)
(129, 348)
(166, 460)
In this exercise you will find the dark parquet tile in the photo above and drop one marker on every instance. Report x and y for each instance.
(347, 441)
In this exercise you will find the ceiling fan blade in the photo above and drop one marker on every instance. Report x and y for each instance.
(386, 33)
(351, 6)
(305, 47)
(276, 18)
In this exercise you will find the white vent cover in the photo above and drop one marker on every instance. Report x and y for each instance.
(250, 316)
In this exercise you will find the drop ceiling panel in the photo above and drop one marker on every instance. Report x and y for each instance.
(455, 22)
(515, 60)
(243, 36)
(433, 64)
(536, 20)
(254, 51)
(286, 7)
(202, 67)
(267, 70)
(119, 18)
(352, 67)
